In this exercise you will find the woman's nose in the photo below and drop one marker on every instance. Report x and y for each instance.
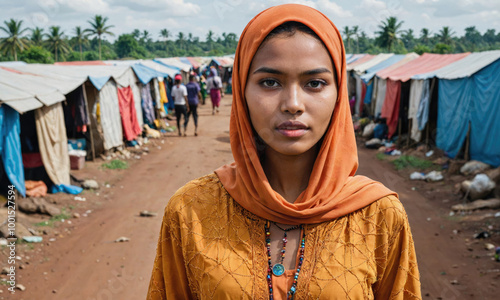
(292, 100)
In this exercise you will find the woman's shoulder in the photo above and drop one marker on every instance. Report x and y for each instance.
(201, 194)
(388, 211)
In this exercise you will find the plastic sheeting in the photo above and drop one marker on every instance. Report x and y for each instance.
(370, 73)
(146, 74)
(474, 100)
(423, 107)
(380, 96)
(10, 147)
(372, 62)
(425, 63)
(365, 58)
(390, 108)
(147, 104)
(131, 127)
(464, 67)
(416, 91)
(53, 143)
(110, 116)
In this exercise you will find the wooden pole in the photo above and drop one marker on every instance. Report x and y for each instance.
(467, 143)
(410, 122)
(399, 132)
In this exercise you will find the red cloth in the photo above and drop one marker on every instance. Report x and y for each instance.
(390, 109)
(131, 127)
(32, 160)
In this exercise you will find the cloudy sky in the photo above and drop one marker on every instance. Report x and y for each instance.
(220, 16)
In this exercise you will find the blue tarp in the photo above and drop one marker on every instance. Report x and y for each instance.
(354, 58)
(474, 100)
(10, 147)
(370, 73)
(369, 92)
(99, 82)
(145, 74)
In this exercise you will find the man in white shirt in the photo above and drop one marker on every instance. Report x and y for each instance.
(179, 93)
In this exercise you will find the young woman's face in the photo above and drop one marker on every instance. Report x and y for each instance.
(291, 92)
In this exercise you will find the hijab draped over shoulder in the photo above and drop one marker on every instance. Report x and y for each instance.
(333, 189)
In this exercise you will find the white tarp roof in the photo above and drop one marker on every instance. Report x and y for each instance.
(361, 68)
(174, 61)
(32, 85)
(19, 100)
(464, 67)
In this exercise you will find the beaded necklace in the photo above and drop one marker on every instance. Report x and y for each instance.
(278, 269)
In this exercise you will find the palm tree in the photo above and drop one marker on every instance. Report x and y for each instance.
(181, 40)
(425, 36)
(37, 36)
(56, 41)
(355, 32)
(347, 35)
(388, 34)
(80, 39)
(99, 29)
(445, 35)
(13, 42)
(210, 39)
(165, 34)
(146, 36)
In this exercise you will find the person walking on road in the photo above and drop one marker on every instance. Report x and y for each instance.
(214, 85)
(193, 97)
(179, 93)
(288, 219)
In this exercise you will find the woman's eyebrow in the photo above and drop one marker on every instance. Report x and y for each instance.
(278, 72)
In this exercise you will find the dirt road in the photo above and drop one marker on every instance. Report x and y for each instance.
(86, 264)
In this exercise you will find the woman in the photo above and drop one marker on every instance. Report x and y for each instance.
(214, 85)
(288, 219)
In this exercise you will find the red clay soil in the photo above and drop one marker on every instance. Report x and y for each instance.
(84, 262)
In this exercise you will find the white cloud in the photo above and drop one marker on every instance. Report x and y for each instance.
(330, 7)
(175, 8)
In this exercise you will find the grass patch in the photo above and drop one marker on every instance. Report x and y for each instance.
(380, 156)
(405, 161)
(57, 218)
(116, 164)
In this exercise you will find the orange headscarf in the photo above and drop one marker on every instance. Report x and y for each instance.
(333, 190)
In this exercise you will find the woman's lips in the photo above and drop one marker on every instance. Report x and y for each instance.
(292, 128)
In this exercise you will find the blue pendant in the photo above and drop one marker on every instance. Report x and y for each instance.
(278, 269)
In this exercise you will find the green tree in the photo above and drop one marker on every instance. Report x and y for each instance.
(14, 41)
(125, 45)
(445, 36)
(388, 34)
(421, 49)
(36, 54)
(181, 41)
(80, 39)
(347, 36)
(355, 32)
(56, 41)
(37, 36)
(442, 48)
(210, 39)
(99, 28)
(408, 39)
(425, 36)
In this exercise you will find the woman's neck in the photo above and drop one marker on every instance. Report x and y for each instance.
(289, 175)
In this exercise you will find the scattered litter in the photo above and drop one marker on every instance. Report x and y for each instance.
(497, 214)
(90, 184)
(455, 232)
(122, 239)
(473, 167)
(480, 187)
(489, 246)
(5, 270)
(478, 204)
(3, 242)
(429, 154)
(497, 254)
(20, 287)
(454, 282)
(88, 211)
(76, 215)
(417, 176)
(368, 130)
(77, 198)
(434, 176)
(33, 239)
(429, 219)
(146, 213)
(482, 235)
(452, 213)
(52, 240)
(137, 157)
(396, 152)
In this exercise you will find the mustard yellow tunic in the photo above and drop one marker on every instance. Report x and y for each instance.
(212, 248)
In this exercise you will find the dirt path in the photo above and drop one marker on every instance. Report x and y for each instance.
(87, 264)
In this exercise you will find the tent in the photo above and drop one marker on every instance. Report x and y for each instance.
(400, 76)
(469, 101)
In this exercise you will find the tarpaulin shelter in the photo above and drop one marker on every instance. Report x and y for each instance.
(401, 75)
(469, 101)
